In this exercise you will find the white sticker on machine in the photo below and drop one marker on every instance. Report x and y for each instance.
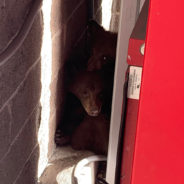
(134, 82)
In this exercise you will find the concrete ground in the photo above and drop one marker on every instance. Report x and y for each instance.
(61, 165)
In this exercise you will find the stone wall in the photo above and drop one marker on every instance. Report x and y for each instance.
(98, 11)
(114, 25)
(19, 96)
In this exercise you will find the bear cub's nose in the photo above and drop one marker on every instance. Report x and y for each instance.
(94, 112)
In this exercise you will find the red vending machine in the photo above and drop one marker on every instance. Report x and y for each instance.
(135, 62)
(153, 143)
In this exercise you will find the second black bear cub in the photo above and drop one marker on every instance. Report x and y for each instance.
(103, 47)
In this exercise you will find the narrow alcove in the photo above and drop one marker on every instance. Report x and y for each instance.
(64, 28)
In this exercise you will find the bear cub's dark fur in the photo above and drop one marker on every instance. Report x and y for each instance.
(88, 101)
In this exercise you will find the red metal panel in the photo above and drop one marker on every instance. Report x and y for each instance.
(159, 146)
(129, 140)
(135, 57)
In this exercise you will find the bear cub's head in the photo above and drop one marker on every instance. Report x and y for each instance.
(88, 88)
(102, 44)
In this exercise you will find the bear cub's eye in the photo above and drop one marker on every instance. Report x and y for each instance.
(104, 58)
(85, 94)
(107, 58)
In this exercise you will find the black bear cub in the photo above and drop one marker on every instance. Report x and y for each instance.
(88, 87)
(92, 134)
(103, 47)
(88, 104)
(86, 98)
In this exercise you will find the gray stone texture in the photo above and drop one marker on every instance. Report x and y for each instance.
(19, 152)
(97, 5)
(29, 172)
(20, 89)
(75, 27)
(116, 6)
(5, 129)
(115, 11)
(98, 11)
(25, 100)
(114, 25)
(57, 61)
(12, 15)
(61, 13)
(54, 98)
(98, 16)
(16, 68)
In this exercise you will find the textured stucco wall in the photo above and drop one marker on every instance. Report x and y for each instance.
(98, 11)
(114, 25)
(19, 96)
(115, 11)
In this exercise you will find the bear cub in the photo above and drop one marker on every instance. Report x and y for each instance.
(88, 101)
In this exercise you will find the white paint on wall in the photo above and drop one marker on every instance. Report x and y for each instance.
(106, 13)
(46, 73)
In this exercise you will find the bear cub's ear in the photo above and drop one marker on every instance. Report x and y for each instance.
(94, 30)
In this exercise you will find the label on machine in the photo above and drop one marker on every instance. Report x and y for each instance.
(134, 82)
